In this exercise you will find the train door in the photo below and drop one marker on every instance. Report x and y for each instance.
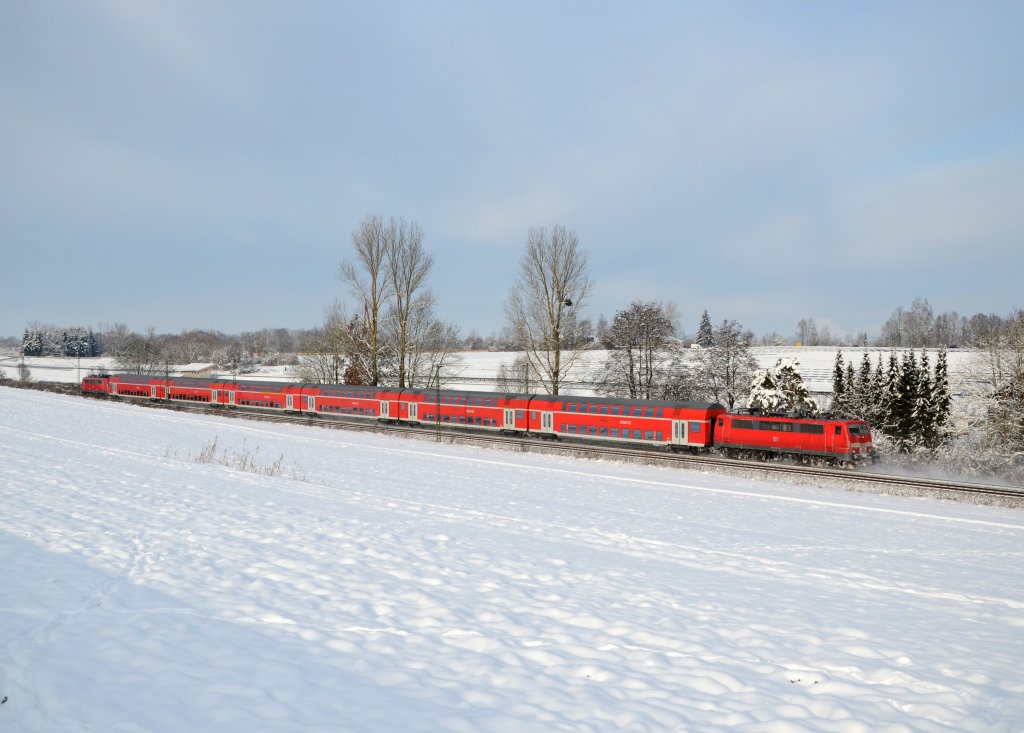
(310, 403)
(385, 408)
(152, 392)
(231, 397)
(414, 411)
(213, 397)
(510, 420)
(289, 402)
(547, 422)
(679, 432)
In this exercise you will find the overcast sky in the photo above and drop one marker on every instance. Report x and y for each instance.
(203, 164)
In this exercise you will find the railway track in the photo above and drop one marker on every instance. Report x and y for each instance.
(859, 479)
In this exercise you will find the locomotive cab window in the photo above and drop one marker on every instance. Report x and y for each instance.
(839, 429)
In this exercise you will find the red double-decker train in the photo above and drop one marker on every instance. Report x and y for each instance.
(693, 426)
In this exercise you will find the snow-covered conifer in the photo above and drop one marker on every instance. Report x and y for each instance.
(705, 333)
(924, 409)
(838, 384)
(941, 398)
(781, 388)
(904, 413)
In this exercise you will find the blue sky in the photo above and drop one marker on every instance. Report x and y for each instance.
(203, 164)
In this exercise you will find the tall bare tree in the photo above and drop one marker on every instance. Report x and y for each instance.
(543, 305)
(407, 265)
(367, 277)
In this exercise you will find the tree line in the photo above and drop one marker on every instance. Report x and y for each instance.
(906, 400)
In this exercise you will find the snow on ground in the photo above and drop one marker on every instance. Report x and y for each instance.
(382, 584)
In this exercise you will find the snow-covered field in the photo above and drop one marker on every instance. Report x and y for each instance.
(382, 585)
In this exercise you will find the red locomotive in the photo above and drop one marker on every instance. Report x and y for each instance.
(694, 426)
(805, 439)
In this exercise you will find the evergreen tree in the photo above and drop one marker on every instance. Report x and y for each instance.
(838, 385)
(864, 379)
(32, 343)
(904, 409)
(781, 389)
(924, 410)
(705, 333)
(890, 396)
(941, 397)
(877, 390)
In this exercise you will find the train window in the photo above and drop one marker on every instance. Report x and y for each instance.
(857, 429)
(604, 432)
(520, 414)
(839, 429)
(661, 412)
(615, 432)
(649, 412)
(694, 427)
(648, 435)
(616, 409)
(637, 434)
(721, 422)
(571, 429)
(659, 437)
(604, 409)
(591, 430)
(572, 407)
(592, 409)
(533, 415)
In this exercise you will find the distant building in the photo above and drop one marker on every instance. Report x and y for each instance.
(196, 370)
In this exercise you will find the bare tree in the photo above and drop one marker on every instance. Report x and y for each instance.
(726, 369)
(368, 280)
(807, 332)
(543, 304)
(407, 265)
(517, 377)
(114, 338)
(143, 355)
(326, 351)
(640, 351)
(433, 353)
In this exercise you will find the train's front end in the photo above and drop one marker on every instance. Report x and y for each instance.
(96, 386)
(861, 445)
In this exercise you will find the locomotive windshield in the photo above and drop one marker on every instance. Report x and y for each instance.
(859, 429)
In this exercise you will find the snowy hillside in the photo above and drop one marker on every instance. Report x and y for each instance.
(379, 585)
